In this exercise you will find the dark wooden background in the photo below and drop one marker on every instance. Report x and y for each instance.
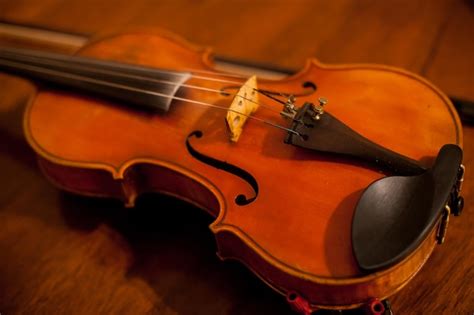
(61, 254)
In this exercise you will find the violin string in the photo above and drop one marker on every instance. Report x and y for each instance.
(116, 85)
(42, 56)
(14, 52)
(149, 79)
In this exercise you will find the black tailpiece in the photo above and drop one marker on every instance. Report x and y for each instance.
(329, 135)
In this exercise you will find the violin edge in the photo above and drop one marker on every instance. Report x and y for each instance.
(316, 300)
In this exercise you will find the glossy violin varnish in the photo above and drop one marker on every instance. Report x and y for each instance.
(282, 199)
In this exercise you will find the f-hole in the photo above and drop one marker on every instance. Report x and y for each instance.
(311, 86)
(240, 199)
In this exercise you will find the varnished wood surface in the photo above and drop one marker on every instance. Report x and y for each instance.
(63, 254)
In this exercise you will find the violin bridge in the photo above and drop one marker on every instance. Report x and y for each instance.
(243, 105)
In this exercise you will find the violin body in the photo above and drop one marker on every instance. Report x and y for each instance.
(296, 234)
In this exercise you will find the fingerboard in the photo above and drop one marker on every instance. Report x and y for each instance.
(149, 88)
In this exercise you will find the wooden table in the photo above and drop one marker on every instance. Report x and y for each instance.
(71, 255)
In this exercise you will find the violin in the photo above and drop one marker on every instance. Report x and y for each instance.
(333, 186)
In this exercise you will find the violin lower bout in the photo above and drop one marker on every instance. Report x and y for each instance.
(320, 292)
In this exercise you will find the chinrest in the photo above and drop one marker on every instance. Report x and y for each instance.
(395, 214)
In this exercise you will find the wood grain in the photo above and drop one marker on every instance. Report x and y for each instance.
(69, 255)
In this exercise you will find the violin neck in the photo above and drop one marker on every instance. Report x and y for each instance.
(146, 87)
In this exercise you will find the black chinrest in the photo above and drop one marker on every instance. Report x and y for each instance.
(395, 214)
